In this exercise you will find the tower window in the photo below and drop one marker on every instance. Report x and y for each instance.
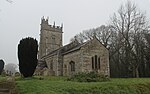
(53, 37)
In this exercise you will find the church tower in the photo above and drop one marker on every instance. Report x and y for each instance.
(50, 38)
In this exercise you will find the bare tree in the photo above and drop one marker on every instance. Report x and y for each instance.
(130, 25)
(79, 37)
(11, 68)
(127, 40)
(103, 34)
(10, 1)
(147, 55)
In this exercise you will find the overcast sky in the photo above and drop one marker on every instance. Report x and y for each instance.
(22, 19)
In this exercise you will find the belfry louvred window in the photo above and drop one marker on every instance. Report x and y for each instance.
(95, 62)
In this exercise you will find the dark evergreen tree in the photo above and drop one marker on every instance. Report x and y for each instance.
(27, 56)
(1, 66)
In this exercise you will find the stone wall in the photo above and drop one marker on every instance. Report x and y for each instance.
(91, 49)
(75, 57)
(50, 38)
(52, 64)
(83, 58)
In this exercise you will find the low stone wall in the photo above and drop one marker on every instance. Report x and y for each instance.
(8, 86)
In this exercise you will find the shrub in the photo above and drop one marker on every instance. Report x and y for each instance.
(1, 66)
(89, 77)
(3, 74)
(27, 55)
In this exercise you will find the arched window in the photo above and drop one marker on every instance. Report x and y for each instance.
(92, 62)
(99, 63)
(72, 66)
(51, 66)
(95, 62)
(65, 66)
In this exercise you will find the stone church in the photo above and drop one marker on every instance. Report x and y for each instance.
(56, 59)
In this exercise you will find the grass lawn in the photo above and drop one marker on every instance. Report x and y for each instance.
(58, 85)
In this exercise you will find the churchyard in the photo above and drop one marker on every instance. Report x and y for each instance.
(60, 85)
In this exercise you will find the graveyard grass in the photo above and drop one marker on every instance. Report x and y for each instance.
(59, 85)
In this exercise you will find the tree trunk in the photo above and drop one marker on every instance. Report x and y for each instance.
(137, 73)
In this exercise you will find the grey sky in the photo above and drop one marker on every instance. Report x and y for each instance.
(22, 18)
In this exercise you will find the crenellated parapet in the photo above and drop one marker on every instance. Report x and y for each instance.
(50, 37)
(46, 26)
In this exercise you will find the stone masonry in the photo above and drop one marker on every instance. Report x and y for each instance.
(69, 59)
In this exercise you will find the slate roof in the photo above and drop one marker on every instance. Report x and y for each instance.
(71, 47)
